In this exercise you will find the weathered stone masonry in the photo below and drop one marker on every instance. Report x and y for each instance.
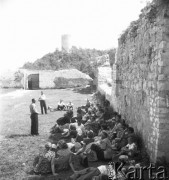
(140, 87)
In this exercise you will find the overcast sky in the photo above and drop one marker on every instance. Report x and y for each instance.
(31, 28)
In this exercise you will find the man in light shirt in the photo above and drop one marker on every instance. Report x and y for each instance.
(34, 118)
(42, 100)
(61, 105)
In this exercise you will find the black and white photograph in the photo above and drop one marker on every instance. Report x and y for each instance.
(84, 89)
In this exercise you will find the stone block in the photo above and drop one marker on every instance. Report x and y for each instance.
(164, 126)
(161, 116)
(161, 63)
(161, 102)
(151, 76)
(163, 110)
(162, 85)
(162, 77)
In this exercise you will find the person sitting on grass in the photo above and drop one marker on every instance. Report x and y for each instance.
(62, 161)
(92, 124)
(69, 106)
(80, 114)
(123, 140)
(103, 147)
(66, 119)
(61, 105)
(71, 133)
(130, 149)
(90, 137)
(88, 103)
(85, 142)
(42, 164)
(62, 123)
(80, 129)
(86, 117)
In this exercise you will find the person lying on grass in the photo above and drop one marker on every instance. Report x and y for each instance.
(89, 173)
(102, 172)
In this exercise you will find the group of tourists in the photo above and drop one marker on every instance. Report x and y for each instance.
(34, 112)
(96, 133)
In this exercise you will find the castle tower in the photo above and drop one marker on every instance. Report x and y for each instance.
(66, 45)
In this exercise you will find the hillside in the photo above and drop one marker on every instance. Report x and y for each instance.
(78, 58)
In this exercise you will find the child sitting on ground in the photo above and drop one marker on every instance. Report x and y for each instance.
(130, 149)
(69, 106)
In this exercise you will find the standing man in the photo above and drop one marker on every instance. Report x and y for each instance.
(34, 118)
(42, 100)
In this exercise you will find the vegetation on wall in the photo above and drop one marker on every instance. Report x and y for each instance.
(149, 13)
(81, 59)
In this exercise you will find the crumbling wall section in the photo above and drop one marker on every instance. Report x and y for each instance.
(140, 87)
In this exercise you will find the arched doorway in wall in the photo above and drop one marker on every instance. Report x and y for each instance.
(33, 81)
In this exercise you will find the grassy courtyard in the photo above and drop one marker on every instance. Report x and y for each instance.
(17, 147)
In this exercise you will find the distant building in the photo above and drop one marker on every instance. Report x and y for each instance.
(66, 43)
(45, 79)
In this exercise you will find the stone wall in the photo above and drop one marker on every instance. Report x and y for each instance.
(140, 85)
(104, 76)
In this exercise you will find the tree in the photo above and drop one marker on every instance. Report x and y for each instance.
(81, 59)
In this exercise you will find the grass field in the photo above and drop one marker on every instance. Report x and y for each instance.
(17, 147)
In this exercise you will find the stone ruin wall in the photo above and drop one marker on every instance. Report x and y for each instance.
(140, 87)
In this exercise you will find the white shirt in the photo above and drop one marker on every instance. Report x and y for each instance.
(61, 103)
(80, 129)
(70, 145)
(33, 108)
(103, 169)
(50, 154)
(42, 97)
(131, 146)
(70, 104)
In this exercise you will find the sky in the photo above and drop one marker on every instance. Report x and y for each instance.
(32, 28)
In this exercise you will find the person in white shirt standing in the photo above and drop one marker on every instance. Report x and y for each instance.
(34, 118)
(42, 100)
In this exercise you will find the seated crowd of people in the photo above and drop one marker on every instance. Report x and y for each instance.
(94, 134)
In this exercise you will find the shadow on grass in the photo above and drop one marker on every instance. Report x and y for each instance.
(18, 135)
